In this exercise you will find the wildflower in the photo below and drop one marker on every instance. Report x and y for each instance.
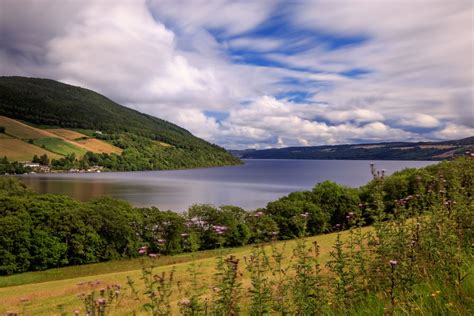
(306, 214)
(161, 241)
(152, 255)
(142, 250)
(393, 263)
(273, 233)
(76, 312)
(101, 301)
(219, 229)
(185, 302)
(413, 243)
(259, 214)
(184, 235)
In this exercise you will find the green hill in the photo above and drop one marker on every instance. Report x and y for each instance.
(374, 151)
(48, 103)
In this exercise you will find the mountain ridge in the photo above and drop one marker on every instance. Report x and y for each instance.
(366, 151)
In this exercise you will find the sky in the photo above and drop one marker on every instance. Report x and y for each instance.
(261, 74)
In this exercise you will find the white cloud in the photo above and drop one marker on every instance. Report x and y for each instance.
(419, 120)
(171, 59)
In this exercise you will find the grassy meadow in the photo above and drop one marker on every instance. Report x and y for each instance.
(59, 146)
(40, 293)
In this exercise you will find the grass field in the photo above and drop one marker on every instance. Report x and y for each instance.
(43, 291)
(98, 146)
(65, 133)
(21, 130)
(18, 150)
(59, 146)
(57, 142)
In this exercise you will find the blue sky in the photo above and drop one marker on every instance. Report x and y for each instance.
(261, 73)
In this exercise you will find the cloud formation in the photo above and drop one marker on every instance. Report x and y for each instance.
(262, 73)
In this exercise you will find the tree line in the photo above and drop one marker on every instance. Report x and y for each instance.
(41, 231)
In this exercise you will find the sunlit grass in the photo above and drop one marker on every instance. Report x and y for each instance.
(45, 290)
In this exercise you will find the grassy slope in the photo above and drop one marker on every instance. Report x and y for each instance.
(59, 146)
(57, 142)
(51, 103)
(46, 289)
(18, 150)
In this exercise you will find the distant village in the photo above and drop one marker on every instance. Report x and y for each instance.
(39, 168)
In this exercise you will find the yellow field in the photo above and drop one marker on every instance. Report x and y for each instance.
(23, 151)
(22, 131)
(18, 150)
(98, 146)
(43, 298)
(65, 133)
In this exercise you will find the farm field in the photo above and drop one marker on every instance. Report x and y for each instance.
(21, 130)
(53, 142)
(59, 146)
(18, 150)
(45, 290)
(98, 146)
(65, 133)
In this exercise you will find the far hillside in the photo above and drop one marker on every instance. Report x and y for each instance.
(128, 139)
(374, 151)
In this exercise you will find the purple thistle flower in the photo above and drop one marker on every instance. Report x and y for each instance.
(393, 263)
(152, 255)
(101, 301)
(143, 250)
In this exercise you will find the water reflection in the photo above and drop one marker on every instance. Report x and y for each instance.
(249, 186)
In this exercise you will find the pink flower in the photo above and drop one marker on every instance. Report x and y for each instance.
(152, 255)
(143, 250)
(161, 241)
(393, 263)
(101, 301)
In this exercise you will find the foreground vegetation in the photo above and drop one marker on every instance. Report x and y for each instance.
(147, 142)
(416, 258)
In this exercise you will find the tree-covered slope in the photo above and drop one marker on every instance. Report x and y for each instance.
(50, 103)
(378, 151)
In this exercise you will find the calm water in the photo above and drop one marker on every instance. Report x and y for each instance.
(250, 186)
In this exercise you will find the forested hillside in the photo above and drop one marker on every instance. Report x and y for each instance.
(147, 142)
(374, 151)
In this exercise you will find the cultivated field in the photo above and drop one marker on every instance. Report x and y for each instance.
(59, 146)
(56, 142)
(18, 150)
(65, 133)
(42, 292)
(21, 130)
(98, 146)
